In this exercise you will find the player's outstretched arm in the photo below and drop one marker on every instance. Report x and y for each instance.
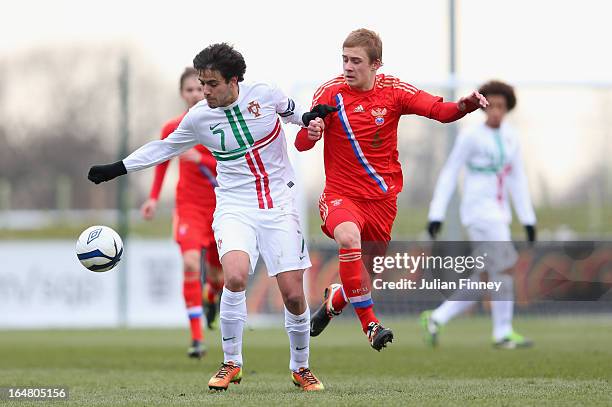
(152, 153)
(424, 104)
(106, 172)
(447, 112)
(472, 102)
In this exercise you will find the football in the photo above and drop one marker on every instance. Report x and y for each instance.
(99, 248)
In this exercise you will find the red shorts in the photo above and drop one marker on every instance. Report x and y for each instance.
(374, 218)
(193, 231)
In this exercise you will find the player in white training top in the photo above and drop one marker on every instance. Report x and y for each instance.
(255, 212)
(491, 157)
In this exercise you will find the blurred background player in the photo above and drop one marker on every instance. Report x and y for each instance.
(255, 214)
(490, 155)
(362, 172)
(195, 204)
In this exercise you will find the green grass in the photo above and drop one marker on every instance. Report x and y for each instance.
(570, 365)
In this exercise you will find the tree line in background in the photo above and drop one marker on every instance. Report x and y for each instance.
(59, 114)
(59, 111)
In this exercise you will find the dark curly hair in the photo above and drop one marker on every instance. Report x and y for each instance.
(502, 89)
(223, 58)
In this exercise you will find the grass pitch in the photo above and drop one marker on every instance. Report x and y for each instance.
(570, 365)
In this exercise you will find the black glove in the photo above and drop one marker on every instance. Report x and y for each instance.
(106, 172)
(318, 111)
(531, 233)
(433, 227)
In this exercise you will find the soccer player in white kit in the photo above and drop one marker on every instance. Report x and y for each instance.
(491, 157)
(255, 212)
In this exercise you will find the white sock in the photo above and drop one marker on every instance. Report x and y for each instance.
(232, 313)
(450, 309)
(298, 330)
(502, 306)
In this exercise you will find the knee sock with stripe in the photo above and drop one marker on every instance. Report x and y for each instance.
(192, 292)
(356, 285)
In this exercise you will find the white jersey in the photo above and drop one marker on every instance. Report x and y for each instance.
(494, 170)
(246, 138)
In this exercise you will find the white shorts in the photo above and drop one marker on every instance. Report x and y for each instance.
(494, 239)
(275, 233)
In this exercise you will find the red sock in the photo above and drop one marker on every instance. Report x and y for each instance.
(366, 315)
(192, 291)
(356, 285)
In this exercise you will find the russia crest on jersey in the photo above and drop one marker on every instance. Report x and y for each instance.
(379, 115)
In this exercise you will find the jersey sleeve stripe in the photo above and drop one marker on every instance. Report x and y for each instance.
(406, 89)
(336, 81)
(409, 85)
(393, 82)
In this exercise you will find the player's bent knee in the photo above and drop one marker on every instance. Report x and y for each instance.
(235, 282)
(191, 271)
(191, 268)
(347, 236)
(235, 270)
(295, 302)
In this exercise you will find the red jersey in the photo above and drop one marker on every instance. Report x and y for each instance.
(360, 148)
(196, 180)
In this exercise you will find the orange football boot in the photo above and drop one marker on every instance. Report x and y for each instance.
(228, 373)
(304, 379)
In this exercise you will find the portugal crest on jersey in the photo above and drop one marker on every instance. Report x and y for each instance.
(254, 108)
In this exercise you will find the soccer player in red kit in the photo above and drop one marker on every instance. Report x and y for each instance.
(195, 204)
(362, 172)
